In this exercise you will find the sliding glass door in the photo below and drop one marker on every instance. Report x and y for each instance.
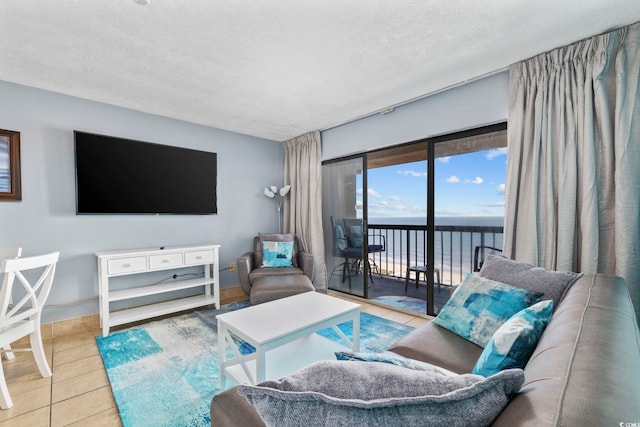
(345, 231)
(402, 223)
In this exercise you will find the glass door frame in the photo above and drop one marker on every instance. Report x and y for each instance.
(363, 262)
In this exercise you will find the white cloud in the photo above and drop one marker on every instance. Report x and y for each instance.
(501, 188)
(395, 198)
(383, 204)
(452, 179)
(373, 193)
(496, 152)
(476, 180)
(492, 204)
(444, 159)
(359, 191)
(412, 173)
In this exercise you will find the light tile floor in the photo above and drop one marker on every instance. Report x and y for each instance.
(78, 393)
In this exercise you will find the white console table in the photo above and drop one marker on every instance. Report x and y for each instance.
(121, 263)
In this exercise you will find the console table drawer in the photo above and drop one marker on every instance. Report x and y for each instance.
(165, 260)
(198, 257)
(127, 265)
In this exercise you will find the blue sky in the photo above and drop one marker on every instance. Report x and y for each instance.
(466, 185)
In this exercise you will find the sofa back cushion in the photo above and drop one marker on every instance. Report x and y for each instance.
(553, 284)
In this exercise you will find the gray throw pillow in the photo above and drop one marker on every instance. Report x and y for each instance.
(553, 284)
(332, 393)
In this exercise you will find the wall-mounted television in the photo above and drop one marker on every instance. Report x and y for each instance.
(124, 176)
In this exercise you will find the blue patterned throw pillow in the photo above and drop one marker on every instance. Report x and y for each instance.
(277, 254)
(513, 343)
(479, 306)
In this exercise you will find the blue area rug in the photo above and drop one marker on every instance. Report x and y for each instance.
(405, 303)
(165, 373)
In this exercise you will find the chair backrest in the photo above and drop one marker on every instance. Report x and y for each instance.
(479, 254)
(10, 253)
(353, 232)
(30, 305)
(339, 238)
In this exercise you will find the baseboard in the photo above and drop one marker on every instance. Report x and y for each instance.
(91, 323)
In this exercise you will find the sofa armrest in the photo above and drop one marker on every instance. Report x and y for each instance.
(245, 265)
(305, 262)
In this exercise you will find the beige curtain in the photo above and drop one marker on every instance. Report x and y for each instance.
(303, 208)
(573, 172)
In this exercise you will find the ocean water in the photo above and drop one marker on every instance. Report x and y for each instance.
(482, 221)
(453, 250)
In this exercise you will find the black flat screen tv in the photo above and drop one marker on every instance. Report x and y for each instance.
(124, 176)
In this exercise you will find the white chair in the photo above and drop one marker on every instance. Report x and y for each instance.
(10, 253)
(23, 318)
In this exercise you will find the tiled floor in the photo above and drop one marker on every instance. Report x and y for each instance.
(78, 393)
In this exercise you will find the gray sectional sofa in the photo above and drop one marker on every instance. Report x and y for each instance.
(585, 370)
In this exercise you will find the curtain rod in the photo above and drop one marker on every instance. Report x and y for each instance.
(392, 107)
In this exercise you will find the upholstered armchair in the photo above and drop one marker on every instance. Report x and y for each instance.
(276, 268)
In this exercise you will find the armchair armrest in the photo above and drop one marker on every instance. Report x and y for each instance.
(376, 243)
(305, 262)
(245, 265)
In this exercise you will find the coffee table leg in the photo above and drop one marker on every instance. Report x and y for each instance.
(222, 336)
(260, 366)
(356, 332)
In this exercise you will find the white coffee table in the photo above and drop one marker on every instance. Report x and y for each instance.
(285, 329)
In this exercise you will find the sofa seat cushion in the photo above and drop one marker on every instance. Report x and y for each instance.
(380, 394)
(553, 284)
(433, 344)
(269, 288)
(479, 306)
(229, 409)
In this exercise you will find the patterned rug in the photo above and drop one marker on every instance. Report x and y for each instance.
(165, 372)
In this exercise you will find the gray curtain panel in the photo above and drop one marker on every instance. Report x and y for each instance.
(303, 208)
(573, 172)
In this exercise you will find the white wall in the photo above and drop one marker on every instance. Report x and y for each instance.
(482, 102)
(45, 219)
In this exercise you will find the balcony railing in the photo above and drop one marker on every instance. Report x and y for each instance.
(406, 245)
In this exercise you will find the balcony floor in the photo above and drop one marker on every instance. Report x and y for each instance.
(384, 287)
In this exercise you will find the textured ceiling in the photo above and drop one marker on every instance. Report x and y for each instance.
(279, 68)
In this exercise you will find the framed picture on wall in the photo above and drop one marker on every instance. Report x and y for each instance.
(10, 165)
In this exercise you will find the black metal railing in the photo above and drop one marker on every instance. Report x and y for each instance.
(406, 245)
